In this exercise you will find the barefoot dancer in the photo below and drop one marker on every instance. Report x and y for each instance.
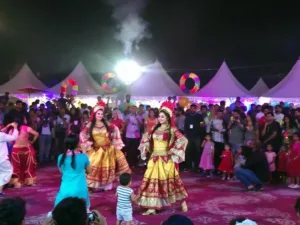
(23, 156)
(162, 185)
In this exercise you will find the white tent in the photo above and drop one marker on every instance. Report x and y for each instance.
(86, 84)
(23, 79)
(223, 85)
(155, 82)
(289, 86)
(259, 88)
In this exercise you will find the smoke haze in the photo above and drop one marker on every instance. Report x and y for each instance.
(132, 29)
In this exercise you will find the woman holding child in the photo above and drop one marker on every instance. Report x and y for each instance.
(161, 185)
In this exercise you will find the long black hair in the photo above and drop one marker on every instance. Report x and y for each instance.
(71, 143)
(93, 123)
(12, 211)
(19, 119)
(71, 210)
(159, 125)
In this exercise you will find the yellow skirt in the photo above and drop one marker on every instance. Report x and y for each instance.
(161, 185)
(106, 164)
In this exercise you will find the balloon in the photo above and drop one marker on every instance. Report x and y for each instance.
(183, 102)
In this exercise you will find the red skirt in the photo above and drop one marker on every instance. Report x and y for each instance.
(226, 165)
(24, 163)
(293, 167)
(282, 163)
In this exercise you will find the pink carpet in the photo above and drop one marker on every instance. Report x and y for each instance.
(211, 201)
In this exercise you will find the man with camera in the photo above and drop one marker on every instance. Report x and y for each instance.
(236, 131)
(72, 210)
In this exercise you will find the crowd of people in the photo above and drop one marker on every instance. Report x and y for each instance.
(96, 146)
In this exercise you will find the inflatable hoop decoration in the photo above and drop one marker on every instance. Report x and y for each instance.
(104, 83)
(65, 84)
(192, 76)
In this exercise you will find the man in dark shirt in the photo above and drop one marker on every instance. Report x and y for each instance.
(255, 171)
(17, 112)
(62, 100)
(271, 132)
(194, 129)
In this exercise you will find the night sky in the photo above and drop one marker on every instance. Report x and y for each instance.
(187, 36)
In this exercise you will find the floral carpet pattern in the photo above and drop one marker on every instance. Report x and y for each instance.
(211, 201)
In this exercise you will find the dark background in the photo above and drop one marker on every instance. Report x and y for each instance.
(257, 38)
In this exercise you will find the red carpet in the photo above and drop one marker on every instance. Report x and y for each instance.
(211, 201)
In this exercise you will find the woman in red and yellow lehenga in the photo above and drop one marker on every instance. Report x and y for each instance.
(103, 143)
(23, 157)
(161, 185)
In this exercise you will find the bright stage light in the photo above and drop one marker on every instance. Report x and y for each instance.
(128, 71)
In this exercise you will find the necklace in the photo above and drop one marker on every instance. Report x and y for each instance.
(99, 124)
(164, 127)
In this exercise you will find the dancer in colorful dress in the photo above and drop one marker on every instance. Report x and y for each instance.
(226, 165)
(161, 185)
(103, 143)
(23, 156)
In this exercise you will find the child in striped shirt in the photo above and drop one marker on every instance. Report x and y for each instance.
(125, 196)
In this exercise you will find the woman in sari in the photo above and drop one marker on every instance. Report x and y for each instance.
(102, 142)
(161, 185)
(23, 157)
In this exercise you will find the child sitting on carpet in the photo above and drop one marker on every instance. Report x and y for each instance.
(125, 196)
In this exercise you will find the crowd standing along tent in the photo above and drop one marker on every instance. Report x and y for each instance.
(154, 83)
(86, 84)
(23, 79)
(259, 88)
(223, 85)
(288, 88)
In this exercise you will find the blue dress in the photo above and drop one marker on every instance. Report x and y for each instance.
(73, 182)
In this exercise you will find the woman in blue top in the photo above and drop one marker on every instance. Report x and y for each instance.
(74, 166)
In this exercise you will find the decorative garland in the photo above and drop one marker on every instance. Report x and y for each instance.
(196, 80)
(105, 85)
(65, 84)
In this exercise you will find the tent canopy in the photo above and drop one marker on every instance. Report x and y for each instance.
(259, 88)
(223, 85)
(155, 82)
(86, 84)
(23, 79)
(289, 86)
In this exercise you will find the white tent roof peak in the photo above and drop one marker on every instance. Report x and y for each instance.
(288, 87)
(155, 82)
(23, 79)
(86, 83)
(223, 85)
(259, 88)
